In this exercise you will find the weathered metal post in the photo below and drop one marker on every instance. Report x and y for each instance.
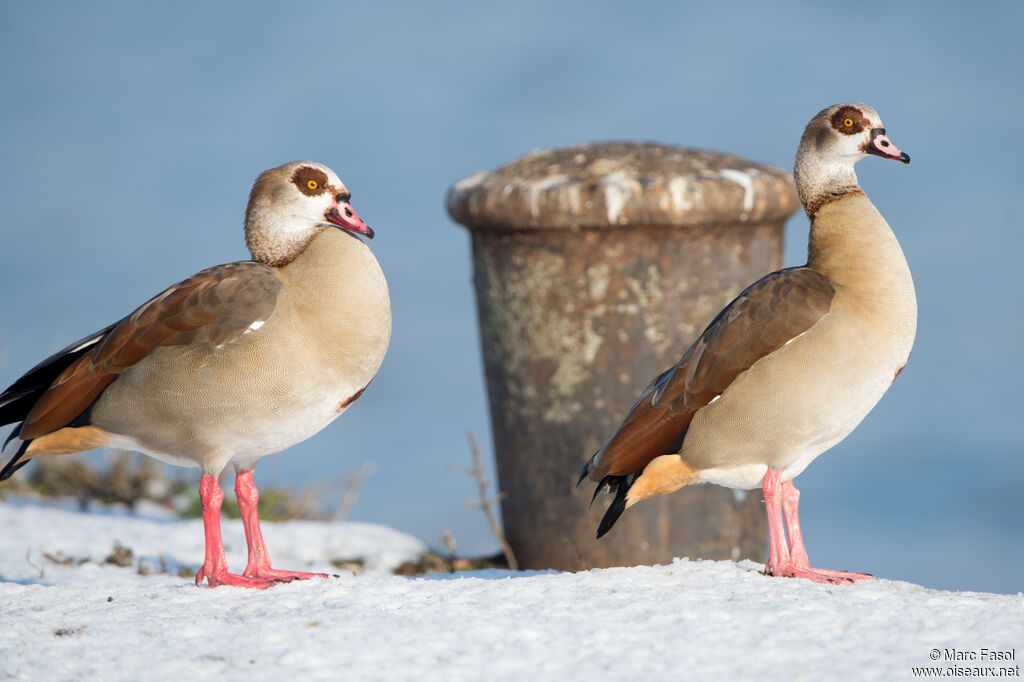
(595, 268)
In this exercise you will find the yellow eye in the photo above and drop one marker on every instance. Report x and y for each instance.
(848, 122)
(313, 184)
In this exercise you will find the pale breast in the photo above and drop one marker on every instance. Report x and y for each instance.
(794, 404)
(276, 385)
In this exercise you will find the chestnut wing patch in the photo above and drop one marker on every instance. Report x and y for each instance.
(771, 312)
(211, 307)
(768, 314)
(17, 399)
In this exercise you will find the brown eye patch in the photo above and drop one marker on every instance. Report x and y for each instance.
(849, 120)
(310, 181)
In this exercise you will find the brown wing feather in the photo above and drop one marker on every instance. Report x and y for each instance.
(211, 307)
(647, 432)
(769, 313)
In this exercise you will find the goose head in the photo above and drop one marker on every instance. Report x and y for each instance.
(291, 204)
(834, 140)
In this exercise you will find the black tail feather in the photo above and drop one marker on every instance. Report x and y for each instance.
(18, 399)
(620, 485)
(598, 489)
(14, 464)
(15, 407)
(11, 436)
(584, 473)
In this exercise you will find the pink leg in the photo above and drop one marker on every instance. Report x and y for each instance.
(791, 561)
(797, 551)
(778, 551)
(790, 502)
(259, 560)
(215, 566)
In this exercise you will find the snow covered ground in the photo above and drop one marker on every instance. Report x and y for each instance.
(689, 620)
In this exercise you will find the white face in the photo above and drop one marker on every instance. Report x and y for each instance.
(859, 131)
(852, 125)
(304, 195)
(833, 142)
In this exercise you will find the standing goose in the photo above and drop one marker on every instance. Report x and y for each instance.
(236, 362)
(791, 366)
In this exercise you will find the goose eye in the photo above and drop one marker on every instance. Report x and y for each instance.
(848, 122)
(313, 184)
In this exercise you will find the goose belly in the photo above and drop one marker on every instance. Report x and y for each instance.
(201, 413)
(792, 405)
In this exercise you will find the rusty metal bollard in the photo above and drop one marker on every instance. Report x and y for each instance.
(596, 266)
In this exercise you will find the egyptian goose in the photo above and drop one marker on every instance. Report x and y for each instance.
(791, 366)
(236, 362)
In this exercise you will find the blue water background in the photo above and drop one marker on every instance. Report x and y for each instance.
(130, 134)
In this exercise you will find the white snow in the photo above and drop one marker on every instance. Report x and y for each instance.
(468, 183)
(744, 180)
(538, 188)
(677, 190)
(687, 620)
(619, 186)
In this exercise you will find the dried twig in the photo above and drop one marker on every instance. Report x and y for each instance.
(355, 481)
(28, 560)
(64, 632)
(485, 502)
(449, 542)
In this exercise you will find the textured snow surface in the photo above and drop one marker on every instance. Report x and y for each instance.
(687, 620)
